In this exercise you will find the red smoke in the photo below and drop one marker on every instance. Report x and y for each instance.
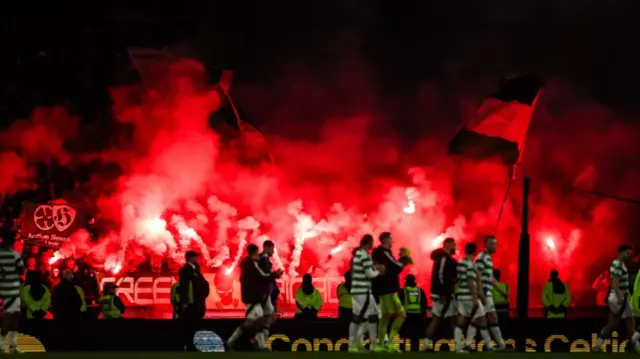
(181, 187)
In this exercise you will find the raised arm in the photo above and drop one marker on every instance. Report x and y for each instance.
(392, 263)
(265, 275)
(369, 271)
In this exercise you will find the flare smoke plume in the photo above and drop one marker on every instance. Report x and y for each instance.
(181, 187)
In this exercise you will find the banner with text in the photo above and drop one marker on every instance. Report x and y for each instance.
(529, 336)
(50, 225)
(154, 290)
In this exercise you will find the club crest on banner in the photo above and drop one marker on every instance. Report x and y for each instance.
(50, 225)
(47, 217)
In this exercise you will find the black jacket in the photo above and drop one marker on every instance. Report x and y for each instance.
(66, 302)
(390, 281)
(267, 267)
(88, 281)
(444, 273)
(254, 281)
(188, 274)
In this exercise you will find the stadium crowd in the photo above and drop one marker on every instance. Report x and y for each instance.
(51, 286)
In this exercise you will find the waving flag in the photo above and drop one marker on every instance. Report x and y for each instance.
(500, 127)
(149, 62)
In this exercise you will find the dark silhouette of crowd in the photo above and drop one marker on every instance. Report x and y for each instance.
(66, 288)
(52, 286)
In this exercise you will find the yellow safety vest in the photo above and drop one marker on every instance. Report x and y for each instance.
(635, 296)
(107, 308)
(175, 296)
(551, 299)
(175, 292)
(31, 305)
(83, 305)
(344, 297)
(312, 301)
(412, 297)
(175, 299)
(497, 297)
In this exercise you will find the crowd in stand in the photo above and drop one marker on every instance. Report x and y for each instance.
(67, 288)
(39, 263)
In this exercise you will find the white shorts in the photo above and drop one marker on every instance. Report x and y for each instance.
(364, 305)
(489, 305)
(254, 311)
(465, 309)
(624, 309)
(11, 305)
(448, 309)
(267, 307)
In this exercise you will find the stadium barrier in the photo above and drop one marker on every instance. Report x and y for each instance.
(534, 335)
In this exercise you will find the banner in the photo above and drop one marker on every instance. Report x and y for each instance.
(50, 225)
(528, 336)
(155, 289)
(532, 344)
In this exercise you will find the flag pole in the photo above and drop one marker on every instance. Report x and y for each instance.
(524, 249)
(238, 120)
(513, 169)
(504, 201)
(608, 196)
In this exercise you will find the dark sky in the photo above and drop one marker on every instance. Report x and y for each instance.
(590, 43)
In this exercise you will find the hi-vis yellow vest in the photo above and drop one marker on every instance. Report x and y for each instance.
(551, 299)
(175, 296)
(412, 297)
(175, 293)
(31, 305)
(311, 301)
(175, 300)
(635, 296)
(83, 305)
(344, 297)
(107, 308)
(497, 297)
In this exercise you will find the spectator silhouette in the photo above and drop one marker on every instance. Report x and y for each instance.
(35, 297)
(67, 301)
(345, 305)
(556, 297)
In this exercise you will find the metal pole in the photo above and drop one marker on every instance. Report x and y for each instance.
(524, 250)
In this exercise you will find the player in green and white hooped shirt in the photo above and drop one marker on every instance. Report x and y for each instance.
(619, 301)
(11, 268)
(486, 281)
(366, 313)
(469, 306)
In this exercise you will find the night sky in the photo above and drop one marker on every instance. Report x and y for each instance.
(590, 43)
